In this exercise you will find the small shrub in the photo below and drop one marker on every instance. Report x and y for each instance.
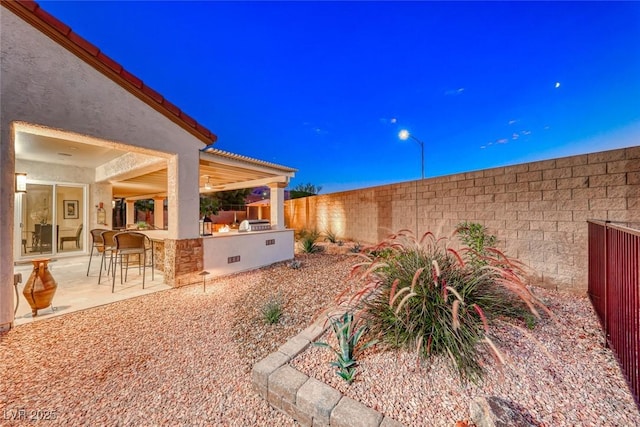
(308, 242)
(348, 333)
(356, 248)
(295, 264)
(330, 236)
(530, 321)
(272, 310)
(476, 238)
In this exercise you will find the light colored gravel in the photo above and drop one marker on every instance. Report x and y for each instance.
(558, 374)
(178, 357)
(181, 357)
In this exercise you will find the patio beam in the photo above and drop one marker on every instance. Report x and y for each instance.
(247, 184)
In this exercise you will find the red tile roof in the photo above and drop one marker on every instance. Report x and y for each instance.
(31, 12)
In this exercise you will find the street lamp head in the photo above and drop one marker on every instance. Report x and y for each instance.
(404, 134)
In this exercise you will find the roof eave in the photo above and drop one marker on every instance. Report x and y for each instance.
(62, 34)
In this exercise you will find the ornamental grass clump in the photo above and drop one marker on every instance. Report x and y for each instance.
(426, 296)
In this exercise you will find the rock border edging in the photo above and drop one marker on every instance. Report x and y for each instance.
(308, 401)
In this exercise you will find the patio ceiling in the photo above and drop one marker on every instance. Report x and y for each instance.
(223, 170)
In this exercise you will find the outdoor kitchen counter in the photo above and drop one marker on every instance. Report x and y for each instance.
(234, 251)
(235, 232)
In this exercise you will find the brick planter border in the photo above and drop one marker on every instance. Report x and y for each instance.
(309, 401)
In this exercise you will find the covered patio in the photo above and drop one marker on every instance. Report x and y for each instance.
(79, 132)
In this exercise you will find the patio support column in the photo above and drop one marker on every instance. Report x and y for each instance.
(277, 205)
(7, 199)
(131, 212)
(158, 212)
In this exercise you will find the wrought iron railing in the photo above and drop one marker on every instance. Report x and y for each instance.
(614, 290)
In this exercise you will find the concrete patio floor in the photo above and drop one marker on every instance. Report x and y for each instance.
(77, 291)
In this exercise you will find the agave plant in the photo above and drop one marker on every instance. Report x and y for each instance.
(348, 332)
(308, 241)
(331, 236)
(272, 310)
(295, 264)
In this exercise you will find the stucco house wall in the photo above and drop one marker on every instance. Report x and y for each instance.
(537, 210)
(44, 84)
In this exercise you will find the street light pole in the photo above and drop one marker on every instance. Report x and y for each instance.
(404, 135)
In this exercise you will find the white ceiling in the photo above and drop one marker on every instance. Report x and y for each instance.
(46, 149)
(223, 170)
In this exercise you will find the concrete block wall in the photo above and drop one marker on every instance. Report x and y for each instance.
(537, 210)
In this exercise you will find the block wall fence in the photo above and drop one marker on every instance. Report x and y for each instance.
(537, 210)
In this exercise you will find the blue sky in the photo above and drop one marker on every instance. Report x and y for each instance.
(325, 86)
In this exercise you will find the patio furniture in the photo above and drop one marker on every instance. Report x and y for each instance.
(42, 238)
(108, 246)
(74, 238)
(96, 243)
(129, 243)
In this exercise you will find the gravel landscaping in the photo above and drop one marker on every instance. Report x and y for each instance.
(183, 357)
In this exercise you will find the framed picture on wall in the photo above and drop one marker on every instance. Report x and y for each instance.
(70, 208)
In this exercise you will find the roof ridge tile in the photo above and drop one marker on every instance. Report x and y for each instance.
(83, 43)
(116, 67)
(152, 93)
(52, 21)
(29, 4)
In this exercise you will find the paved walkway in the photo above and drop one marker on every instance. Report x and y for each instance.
(77, 291)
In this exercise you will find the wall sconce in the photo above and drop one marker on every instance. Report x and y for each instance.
(21, 183)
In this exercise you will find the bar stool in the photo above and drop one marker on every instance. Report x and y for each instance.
(96, 243)
(131, 243)
(108, 247)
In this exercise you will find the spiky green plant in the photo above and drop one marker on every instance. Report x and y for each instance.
(295, 264)
(348, 332)
(425, 296)
(357, 247)
(308, 241)
(272, 310)
(331, 236)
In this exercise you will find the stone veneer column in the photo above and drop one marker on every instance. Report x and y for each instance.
(183, 260)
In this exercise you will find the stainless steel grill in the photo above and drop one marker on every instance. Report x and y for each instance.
(254, 225)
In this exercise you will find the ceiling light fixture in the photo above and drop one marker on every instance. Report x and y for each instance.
(207, 185)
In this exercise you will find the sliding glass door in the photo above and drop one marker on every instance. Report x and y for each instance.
(50, 220)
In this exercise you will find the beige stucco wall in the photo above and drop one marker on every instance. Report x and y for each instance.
(44, 84)
(538, 210)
